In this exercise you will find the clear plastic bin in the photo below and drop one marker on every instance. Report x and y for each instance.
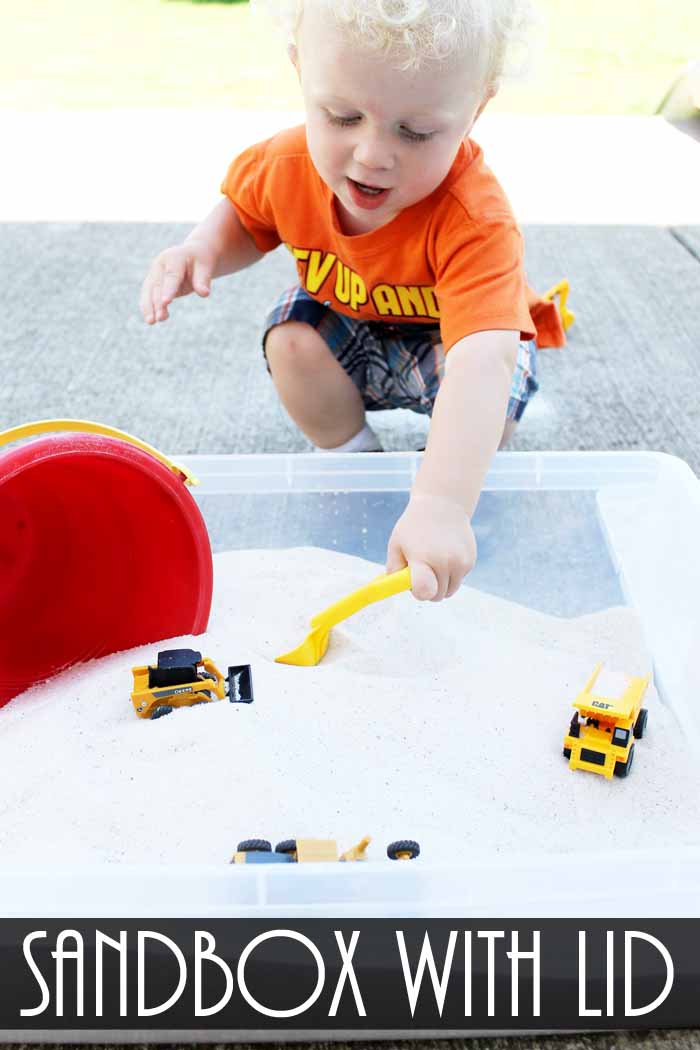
(576, 533)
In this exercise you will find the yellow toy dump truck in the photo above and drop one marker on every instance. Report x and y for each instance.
(301, 851)
(182, 678)
(604, 727)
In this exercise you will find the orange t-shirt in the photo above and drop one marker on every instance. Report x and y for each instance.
(455, 257)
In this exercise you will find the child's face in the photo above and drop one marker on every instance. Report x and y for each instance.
(371, 125)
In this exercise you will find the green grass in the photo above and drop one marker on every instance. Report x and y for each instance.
(600, 56)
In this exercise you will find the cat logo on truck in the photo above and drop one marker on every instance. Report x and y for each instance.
(606, 724)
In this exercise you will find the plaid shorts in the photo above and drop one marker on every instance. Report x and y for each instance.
(392, 365)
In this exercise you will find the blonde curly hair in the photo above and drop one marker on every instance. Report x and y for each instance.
(412, 32)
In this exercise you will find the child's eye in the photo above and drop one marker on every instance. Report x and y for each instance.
(342, 122)
(416, 136)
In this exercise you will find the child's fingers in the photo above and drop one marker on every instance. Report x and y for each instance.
(169, 279)
(201, 278)
(454, 584)
(152, 293)
(172, 277)
(424, 583)
(395, 560)
(146, 304)
(159, 304)
(148, 300)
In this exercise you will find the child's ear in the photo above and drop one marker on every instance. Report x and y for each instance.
(490, 93)
(487, 96)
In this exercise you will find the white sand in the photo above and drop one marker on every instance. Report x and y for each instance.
(440, 722)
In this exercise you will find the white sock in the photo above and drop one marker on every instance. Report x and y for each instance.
(364, 441)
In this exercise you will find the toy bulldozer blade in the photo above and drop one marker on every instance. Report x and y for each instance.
(313, 648)
(240, 684)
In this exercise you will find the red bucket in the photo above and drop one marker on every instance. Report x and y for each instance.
(102, 548)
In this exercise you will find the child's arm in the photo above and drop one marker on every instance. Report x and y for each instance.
(217, 246)
(434, 535)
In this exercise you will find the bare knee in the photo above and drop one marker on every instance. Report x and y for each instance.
(294, 343)
(508, 431)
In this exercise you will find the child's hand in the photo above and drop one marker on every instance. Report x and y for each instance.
(178, 271)
(434, 538)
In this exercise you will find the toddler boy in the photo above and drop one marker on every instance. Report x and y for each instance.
(411, 287)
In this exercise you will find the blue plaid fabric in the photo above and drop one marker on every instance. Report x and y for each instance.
(392, 365)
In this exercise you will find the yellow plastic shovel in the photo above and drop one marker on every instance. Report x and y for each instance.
(313, 648)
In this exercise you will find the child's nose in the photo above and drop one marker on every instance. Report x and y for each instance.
(372, 151)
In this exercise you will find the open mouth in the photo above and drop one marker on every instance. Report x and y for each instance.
(367, 189)
(365, 196)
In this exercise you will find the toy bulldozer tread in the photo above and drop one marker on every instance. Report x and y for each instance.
(182, 678)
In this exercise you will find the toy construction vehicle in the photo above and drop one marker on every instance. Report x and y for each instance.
(301, 851)
(182, 678)
(603, 729)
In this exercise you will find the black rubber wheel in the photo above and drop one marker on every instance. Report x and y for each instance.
(286, 846)
(408, 847)
(641, 724)
(567, 752)
(255, 846)
(162, 709)
(622, 769)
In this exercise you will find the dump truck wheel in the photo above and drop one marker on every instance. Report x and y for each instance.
(622, 768)
(286, 846)
(641, 724)
(567, 753)
(162, 709)
(403, 849)
(255, 846)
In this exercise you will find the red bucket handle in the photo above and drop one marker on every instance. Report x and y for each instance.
(86, 426)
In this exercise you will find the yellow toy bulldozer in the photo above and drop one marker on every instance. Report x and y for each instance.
(182, 678)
